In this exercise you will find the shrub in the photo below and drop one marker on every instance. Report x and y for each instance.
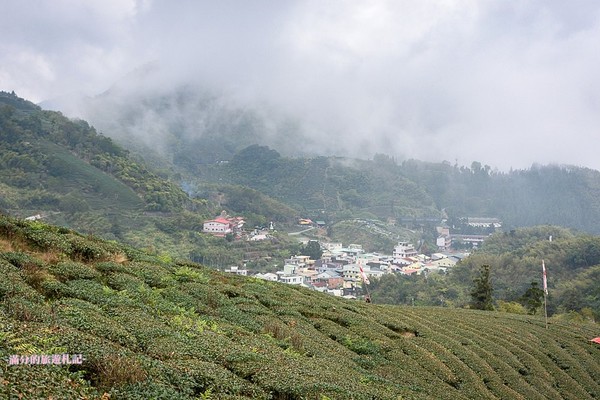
(68, 270)
(114, 370)
(511, 307)
(110, 266)
(360, 345)
(23, 309)
(187, 274)
(154, 275)
(36, 275)
(88, 317)
(86, 249)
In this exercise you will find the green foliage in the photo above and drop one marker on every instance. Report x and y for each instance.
(559, 195)
(329, 186)
(187, 274)
(532, 298)
(360, 345)
(74, 176)
(72, 270)
(312, 249)
(511, 307)
(481, 295)
(515, 259)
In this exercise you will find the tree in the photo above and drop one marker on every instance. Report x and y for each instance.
(313, 250)
(532, 299)
(481, 295)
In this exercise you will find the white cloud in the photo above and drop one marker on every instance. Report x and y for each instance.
(498, 81)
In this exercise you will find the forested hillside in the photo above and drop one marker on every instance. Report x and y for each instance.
(67, 173)
(142, 327)
(557, 195)
(208, 136)
(382, 188)
(44, 151)
(82, 179)
(331, 185)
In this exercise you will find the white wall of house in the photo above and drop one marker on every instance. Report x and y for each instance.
(216, 227)
(292, 279)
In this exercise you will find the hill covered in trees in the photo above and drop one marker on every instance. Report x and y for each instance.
(66, 172)
(148, 327)
(541, 195)
(210, 137)
(383, 188)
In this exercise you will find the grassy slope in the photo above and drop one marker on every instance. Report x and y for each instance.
(151, 328)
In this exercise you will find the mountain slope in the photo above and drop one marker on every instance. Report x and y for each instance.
(44, 150)
(515, 259)
(71, 175)
(151, 328)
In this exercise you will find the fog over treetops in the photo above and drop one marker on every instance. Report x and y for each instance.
(505, 83)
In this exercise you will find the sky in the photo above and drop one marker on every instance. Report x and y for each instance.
(507, 83)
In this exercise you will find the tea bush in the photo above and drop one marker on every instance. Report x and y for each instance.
(67, 270)
(156, 328)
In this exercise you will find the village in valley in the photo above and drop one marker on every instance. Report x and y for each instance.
(343, 270)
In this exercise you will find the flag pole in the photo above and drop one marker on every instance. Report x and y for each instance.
(368, 298)
(545, 283)
(365, 281)
(546, 309)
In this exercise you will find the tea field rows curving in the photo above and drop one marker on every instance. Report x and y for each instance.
(150, 327)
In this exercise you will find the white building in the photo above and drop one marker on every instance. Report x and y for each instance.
(333, 247)
(404, 250)
(236, 270)
(484, 222)
(269, 276)
(444, 242)
(217, 225)
(292, 279)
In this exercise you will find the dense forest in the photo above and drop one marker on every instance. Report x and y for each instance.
(382, 188)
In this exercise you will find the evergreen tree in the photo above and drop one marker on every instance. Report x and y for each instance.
(481, 295)
(532, 299)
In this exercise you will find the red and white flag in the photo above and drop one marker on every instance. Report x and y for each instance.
(544, 281)
(363, 275)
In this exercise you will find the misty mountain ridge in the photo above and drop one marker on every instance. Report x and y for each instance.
(194, 130)
(203, 122)
(187, 122)
(342, 187)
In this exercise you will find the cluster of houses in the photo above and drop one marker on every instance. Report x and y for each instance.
(342, 270)
(224, 224)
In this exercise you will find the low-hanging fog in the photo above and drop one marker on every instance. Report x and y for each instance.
(507, 83)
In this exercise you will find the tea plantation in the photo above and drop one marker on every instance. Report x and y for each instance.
(154, 328)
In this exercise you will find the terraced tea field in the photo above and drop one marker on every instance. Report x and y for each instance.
(150, 328)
